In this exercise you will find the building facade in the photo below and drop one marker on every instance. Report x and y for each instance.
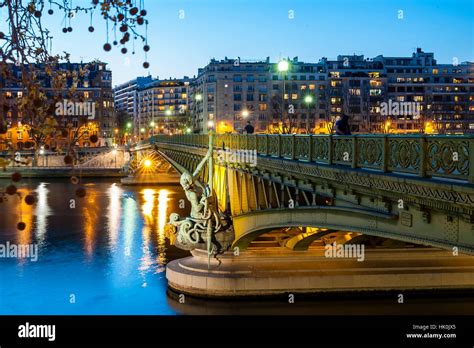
(163, 107)
(380, 95)
(85, 100)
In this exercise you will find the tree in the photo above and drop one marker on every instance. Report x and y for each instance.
(28, 63)
(287, 119)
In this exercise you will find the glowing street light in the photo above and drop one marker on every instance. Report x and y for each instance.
(245, 113)
(198, 97)
(188, 130)
(210, 124)
(142, 130)
(283, 66)
(308, 99)
(129, 125)
(147, 163)
(168, 112)
(152, 124)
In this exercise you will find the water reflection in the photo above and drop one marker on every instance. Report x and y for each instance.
(110, 250)
(162, 219)
(42, 211)
(90, 211)
(114, 212)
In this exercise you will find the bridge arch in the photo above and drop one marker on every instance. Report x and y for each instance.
(251, 225)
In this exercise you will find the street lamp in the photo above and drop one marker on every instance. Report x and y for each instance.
(198, 97)
(129, 125)
(308, 100)
(188, 130)
(283, 67)
(245, 113)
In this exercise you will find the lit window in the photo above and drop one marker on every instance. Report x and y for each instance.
(311, 86)
(294, 96)
(435, 71)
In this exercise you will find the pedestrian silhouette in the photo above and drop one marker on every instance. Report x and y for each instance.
(342, 126)
(249, 128)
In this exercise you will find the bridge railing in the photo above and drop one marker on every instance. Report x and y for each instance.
(447, 156)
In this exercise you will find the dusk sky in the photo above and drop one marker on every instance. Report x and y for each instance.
(256, 29)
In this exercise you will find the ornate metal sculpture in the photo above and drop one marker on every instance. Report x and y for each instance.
(206, 227)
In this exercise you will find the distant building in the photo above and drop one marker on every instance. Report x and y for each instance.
(380, 95)
(126, 98)
(94, 90)
(227, 93)
(162, 107)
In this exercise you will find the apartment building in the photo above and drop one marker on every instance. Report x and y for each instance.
(163, 107)
(92, 86)
(380, 95)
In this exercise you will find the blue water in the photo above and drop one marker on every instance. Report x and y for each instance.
(106, 255)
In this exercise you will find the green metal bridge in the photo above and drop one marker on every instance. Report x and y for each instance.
(413, 188)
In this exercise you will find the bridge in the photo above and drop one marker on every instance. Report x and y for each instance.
(414, 188)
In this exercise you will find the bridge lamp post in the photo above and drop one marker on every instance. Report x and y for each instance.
(308, 101)
(210, 126)
(152, 127)
(283, 67)
(114, 152)
(168, 113)
(128, 128)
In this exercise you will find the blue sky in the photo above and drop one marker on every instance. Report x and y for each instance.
(255, 29)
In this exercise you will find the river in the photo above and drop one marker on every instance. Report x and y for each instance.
(106, 253)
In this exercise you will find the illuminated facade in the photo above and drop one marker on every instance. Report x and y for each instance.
(162, 107)
(380, 95)
(94, 87)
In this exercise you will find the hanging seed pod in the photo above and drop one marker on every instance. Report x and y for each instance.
(11, 189)
(81, 192)
(107, 47)
(16, 177)
(30, 199)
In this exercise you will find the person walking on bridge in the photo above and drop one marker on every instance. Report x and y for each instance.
(342, 126)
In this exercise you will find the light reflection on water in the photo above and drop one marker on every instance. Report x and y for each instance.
(108, 250)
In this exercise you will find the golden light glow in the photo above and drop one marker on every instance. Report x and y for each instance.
(147, 163)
